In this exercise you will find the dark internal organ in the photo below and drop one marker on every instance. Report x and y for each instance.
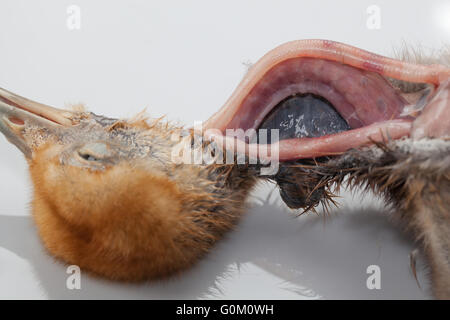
(302, 116)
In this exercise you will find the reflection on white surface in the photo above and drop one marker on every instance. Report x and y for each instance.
(271, 255)
(234, 284)
(17, 280)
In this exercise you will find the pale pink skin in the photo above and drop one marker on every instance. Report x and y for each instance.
(434, 121)
(333, 70)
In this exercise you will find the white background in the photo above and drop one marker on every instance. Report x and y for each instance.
(183, 59)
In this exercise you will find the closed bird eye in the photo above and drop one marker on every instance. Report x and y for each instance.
(87, 157)
(95, 151)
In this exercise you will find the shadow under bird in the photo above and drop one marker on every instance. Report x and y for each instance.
(110, 197)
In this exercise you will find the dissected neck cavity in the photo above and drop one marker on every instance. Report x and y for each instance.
(360, 97)
(328, 51)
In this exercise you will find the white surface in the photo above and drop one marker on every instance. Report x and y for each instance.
(183, 59)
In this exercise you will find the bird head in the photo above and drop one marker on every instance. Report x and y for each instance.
(107, 196)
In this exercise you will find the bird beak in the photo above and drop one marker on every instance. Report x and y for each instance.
(18, 113)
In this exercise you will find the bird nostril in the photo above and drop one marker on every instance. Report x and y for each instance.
(16, 121)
